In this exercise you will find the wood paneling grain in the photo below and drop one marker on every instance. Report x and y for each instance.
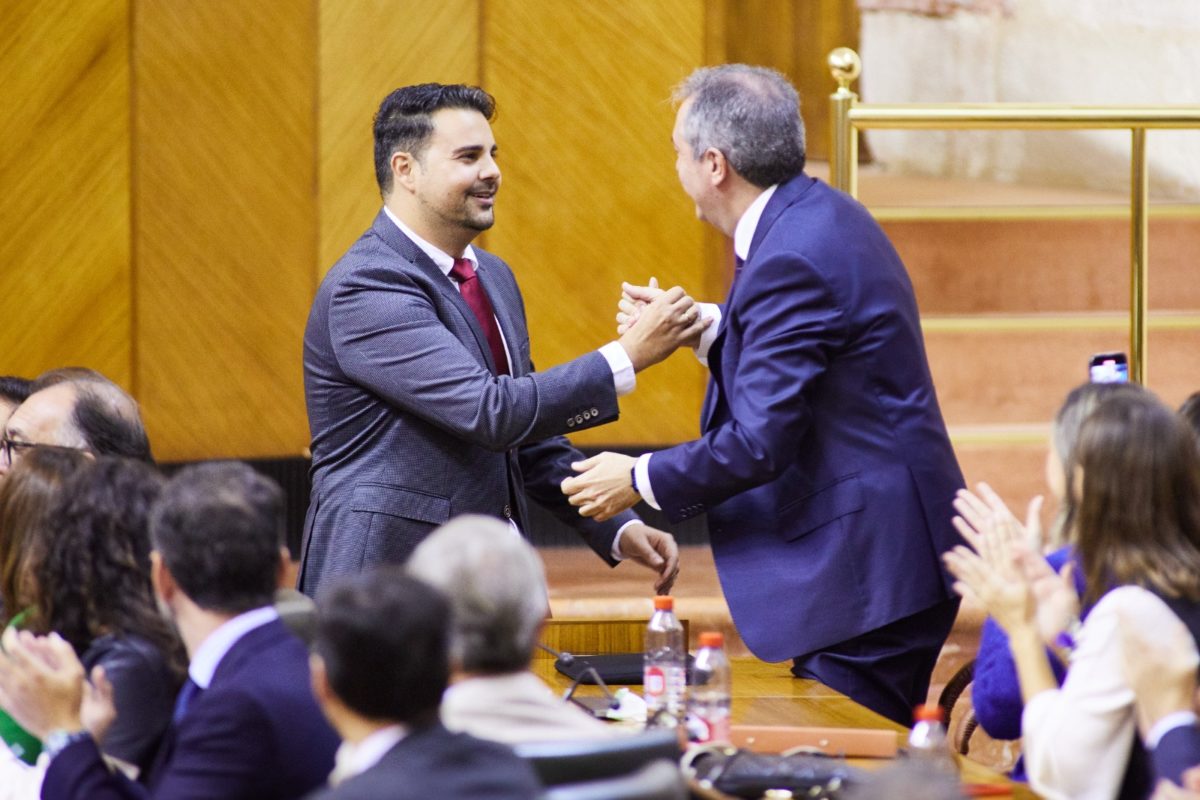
(226, 222)
(64, 208)
(367, 49)
(590, 195)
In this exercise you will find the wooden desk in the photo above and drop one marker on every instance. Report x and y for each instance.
(763, 694)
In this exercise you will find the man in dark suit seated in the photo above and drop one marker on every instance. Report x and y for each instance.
(380, 666)
(246, 724)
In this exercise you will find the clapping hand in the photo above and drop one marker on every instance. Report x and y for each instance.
(1056, 601)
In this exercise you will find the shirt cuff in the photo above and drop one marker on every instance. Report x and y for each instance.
(708, 336)
(616, 545)
(641, 471)
(1176, 719)
(624, 378)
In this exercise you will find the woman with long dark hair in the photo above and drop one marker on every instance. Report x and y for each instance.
(1134, 481)
(27, 498)
(90, 583)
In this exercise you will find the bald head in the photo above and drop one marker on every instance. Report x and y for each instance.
(93, 414)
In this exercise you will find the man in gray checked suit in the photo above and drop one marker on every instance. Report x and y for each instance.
(422, 400)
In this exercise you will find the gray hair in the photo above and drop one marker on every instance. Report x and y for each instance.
(751, 114)
(496, 587)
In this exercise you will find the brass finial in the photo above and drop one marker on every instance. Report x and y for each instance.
(845, 66)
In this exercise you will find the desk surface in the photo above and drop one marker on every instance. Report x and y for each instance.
(767, 694)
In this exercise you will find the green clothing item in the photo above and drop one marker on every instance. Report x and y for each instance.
(21, 742)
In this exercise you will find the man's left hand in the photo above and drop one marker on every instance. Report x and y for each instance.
(41, 682)
(603, 488)
(655, 549)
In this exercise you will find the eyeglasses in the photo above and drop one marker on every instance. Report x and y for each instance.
(11, 449)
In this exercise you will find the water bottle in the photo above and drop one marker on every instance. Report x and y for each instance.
(709, 698)
(664, 673)
(927, 741)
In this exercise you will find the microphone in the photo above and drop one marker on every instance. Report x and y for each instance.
(564, 658)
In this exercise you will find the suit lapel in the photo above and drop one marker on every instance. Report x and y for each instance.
(787, 194)
(406, 249)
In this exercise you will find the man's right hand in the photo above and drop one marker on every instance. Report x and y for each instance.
(669, 320)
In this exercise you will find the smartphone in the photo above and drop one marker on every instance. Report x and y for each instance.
(1108, 368)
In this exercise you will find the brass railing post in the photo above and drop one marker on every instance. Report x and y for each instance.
(1139, 242)
(845, 66)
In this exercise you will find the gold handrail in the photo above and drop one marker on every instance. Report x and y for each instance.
(849, 116)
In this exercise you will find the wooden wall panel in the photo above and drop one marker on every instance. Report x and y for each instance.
(64, 208)
(226, 222)
(590, 195)
(367, 49)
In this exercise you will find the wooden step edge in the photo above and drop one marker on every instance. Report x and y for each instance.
(1085, 321)
(1021, 213)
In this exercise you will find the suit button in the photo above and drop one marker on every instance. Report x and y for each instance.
(579, 419)
(507, 512)
(587, 415)
(595, 412)
(570, 422)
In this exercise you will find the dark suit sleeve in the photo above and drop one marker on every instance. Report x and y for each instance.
(544, 465)
(388, 338)
(79, 773)
(1177, 751)
(792, 326)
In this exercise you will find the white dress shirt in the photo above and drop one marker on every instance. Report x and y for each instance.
(210, 652)
(356, 758)
(1077, 737)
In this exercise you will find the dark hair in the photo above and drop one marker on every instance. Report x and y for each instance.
(14, 389)
(93, 577)
(27, 498)
(382, 635)
(751, 114)
(110, 423)
(1139, 499)
(219, 529)
(403, 123)
(1190, 412)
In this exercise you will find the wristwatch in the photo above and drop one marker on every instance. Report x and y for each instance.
(58, 740)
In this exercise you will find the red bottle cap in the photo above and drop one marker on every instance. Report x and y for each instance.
(712, 639)
(929, 712)
(664, 602)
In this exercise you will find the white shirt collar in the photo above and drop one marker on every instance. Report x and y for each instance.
(743, 234)
(210, 652)
(444, 261)
(354, 759)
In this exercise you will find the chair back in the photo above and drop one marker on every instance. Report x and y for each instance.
(658, 780)
(575, 761)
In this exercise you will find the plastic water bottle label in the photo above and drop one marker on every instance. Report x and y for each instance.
(655, 682)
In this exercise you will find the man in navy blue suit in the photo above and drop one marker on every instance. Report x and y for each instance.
(246, 724)
(824, 465)
(380, 666)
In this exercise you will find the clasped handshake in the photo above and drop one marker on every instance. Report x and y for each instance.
(651, 323)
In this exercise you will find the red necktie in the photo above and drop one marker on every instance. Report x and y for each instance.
(472, 292)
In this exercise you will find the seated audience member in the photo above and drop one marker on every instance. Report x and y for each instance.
(91, 414)
(26, 501)
(498, 597)
(13, 391)
(379, 669)
(245, 724)
(1135, 481)
(91, 585)
(995, 692)
(1160, 667)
